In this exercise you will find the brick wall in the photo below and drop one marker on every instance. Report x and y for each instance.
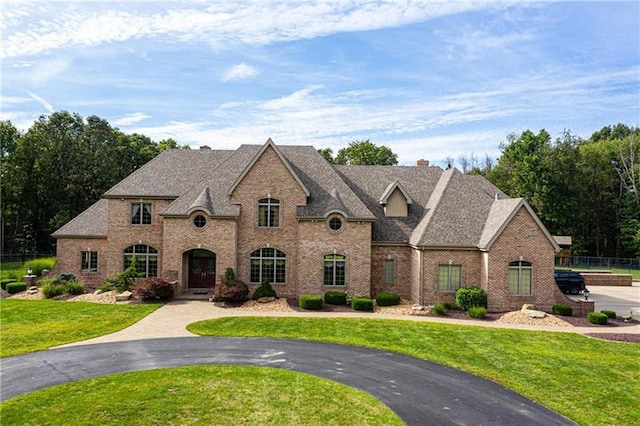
(432, 259)
(403, 273)
(607, 279)
(69, 252)
(268, 178)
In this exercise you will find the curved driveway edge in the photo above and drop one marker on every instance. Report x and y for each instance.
(420, 392)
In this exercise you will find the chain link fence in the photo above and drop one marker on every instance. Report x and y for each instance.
(598, 263)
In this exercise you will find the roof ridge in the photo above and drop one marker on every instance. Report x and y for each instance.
(432, 205)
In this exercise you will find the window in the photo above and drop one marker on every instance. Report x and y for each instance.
(89, 262)
(520, 278)
(389, 270)
(199, 221)
(141, 214)
(335, 223)
(268, 263)
(449, 277)
(268, 213)
(146, 259)
(334, 269)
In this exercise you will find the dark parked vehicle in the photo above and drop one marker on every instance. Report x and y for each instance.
(569, 282)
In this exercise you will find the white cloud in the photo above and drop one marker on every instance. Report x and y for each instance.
(130, 119)
(222, 24)
(45, 104)
(240, 71)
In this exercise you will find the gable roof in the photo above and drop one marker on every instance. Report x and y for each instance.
(268, 144)
(391, 188)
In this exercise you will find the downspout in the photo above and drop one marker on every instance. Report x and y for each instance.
(421, 280)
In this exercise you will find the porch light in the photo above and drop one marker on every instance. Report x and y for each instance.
(29, 271)
(585, 292)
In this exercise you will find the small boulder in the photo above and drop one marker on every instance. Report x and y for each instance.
(266, 299)
(98, 291)
(536, 314)
(417, 307)
(528, 307)
(32, 290)
(124, 296)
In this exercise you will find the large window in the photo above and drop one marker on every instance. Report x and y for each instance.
(389, 271)
(89, 261)
(268, 263)
(520, 278)
(449, 277)
(146, 259)
(334, 269)
(141, 214)
(269, 213)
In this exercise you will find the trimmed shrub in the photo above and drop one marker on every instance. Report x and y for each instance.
(387, 299)
(3, 283)
(597, 318)
(562, 309)
(310, 302)
(74, 287)
(13, 288)
(439, 309)
(477, 312)
(51, 289)
(153, 288)
(467, 297)
(335, 297)
(265, 290)
(231, 291)
(609, 314)
(362, 304)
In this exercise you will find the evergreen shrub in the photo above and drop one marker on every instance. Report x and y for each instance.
(562, 309)
(439, 308)
(335, 297)
(467, 297)
(387, 299)
(362, 304)
(609, 314)
(597, 318)
(310, 302)
(13, 288)
(477, 312)
(265, 290)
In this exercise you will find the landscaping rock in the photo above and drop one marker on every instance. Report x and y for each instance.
(536, 314)
(266, 299)
(32, 290)
(528, 307)
(124, 296)
(98, 292)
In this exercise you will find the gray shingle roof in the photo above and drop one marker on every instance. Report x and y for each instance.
(90, 223)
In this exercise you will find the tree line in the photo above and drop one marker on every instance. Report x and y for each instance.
(585, 188)
(56, 169)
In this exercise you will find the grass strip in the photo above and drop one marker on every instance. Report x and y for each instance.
(590, 381)
(207, 395)
(33, 325)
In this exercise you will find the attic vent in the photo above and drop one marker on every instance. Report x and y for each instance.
(422, 162)
(205, 147)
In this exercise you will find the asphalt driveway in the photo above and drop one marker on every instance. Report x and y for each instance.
(420, 392)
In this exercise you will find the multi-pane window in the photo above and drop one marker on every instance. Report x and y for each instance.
(334, 269)
(268, 263)
(520, 278)
(146, 258)
(89, 261)
(449, 277)
(269, 213)
(141, 213)
(389, 270)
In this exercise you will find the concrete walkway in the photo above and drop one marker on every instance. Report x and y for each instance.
(172, 319)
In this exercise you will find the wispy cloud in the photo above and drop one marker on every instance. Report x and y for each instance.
(240, 71)
(45, 104)
(130, 119)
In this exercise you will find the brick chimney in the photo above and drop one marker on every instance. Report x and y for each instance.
(422, 162)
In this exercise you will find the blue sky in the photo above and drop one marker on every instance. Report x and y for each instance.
(428, 79)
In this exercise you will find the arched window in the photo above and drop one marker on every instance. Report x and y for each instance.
(268, 263)
(520, 278)
(269, 213)
(334, 270)
(146, 259)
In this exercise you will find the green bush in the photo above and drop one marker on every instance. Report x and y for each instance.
(467, 297)
(387, 299)
(562, 309)
(125, 279)
(310, 301)
(448, 305)
(13, 288)
(74, 287)
(153, 288)
(51, 289)
(65, 277)
(37, 265)
(229, 275)
(362, 304)
(335, 297)
(3, 283)
(104, 287)
(477, 311)
(439, 309)
(609, 314)
(231, 291)
(265, 290)
(597, 318)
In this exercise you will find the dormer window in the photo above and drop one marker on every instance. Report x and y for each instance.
(395, 201)
(268, 213)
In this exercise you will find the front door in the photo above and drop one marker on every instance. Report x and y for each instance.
(202, 269)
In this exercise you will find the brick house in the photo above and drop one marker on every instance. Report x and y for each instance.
(285, 214)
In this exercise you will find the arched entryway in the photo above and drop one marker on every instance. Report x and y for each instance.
(201, 269)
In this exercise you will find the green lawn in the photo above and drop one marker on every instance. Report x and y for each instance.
(206, 395)
(32, 325)
(17, 270)
(593, 382)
